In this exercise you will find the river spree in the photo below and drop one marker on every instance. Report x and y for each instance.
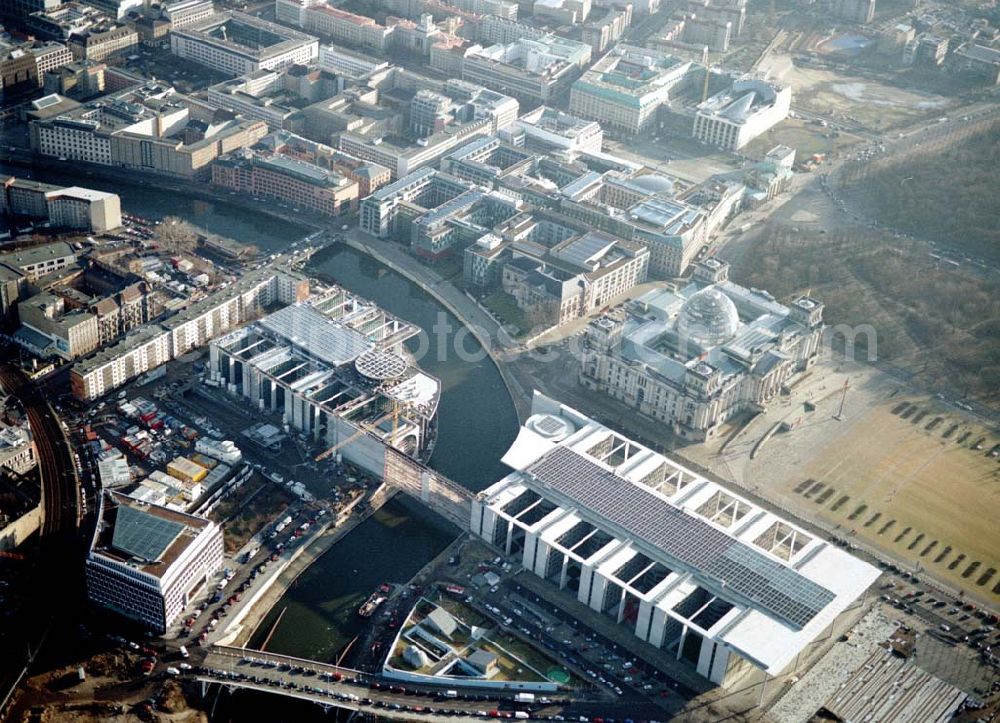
(476, 424)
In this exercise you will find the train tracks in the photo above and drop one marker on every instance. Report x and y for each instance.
(61, 505)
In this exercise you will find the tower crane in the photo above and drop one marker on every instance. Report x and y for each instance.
(393, 415)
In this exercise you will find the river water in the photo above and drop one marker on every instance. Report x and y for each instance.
(476, 424)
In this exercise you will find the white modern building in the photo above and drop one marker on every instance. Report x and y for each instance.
(745, 110)
(347, 62)
(537, 70)
(696, 357)
(548, 129)
(333, 367)
(182, 13)
(689, 566)
(147, 562)
(236, 44)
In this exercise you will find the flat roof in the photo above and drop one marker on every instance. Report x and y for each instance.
(317, 334)
(144, 536)
(37, 254)
(135, 339)
(766, 583)
(782, 598)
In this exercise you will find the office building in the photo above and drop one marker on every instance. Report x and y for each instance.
(538, 70)
(23, 65)
(548, 130)
(606, 27)
(49, 327)
(486, 160)
(147, 562)
(557, 278)
(698, 357)
(235, 43)
(72, 207)
(17, 452)
(21, 10)
(37, 261)
(645, 209)
(861, 12)
(726, 587)
(978, 63)
(624, 90)
(389, 210)
(403, 156)
(81, 79)
(930, 50)
(144, 128)
(346, 62)
(260, 95)
(331, 367)
(721, 12)
(101, 42)
(745, 110)
(181, 13)
(296, 182)
(65, 20)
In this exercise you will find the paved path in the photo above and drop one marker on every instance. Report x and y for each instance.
(486, 330)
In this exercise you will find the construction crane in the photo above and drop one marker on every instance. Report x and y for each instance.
(708, 72)
(393, 415)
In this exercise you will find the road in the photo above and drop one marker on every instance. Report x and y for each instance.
(354, 690)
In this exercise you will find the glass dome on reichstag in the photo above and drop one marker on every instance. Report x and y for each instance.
(708, 317)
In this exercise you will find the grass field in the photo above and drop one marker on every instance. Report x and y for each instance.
(902, 474)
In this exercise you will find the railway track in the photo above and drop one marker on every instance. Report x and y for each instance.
(61, 505)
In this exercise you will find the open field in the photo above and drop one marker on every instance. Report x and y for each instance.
(902, 472)
(804, 137)
(248, 510)
(874, 105)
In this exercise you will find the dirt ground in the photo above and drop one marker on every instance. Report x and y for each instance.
(899, 472)
(111, 693)
(804, 137)
(875, 105)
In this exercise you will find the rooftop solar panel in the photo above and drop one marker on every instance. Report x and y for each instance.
(690, 541)
(143, 535)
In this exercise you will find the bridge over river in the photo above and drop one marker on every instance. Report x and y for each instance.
(346, 688)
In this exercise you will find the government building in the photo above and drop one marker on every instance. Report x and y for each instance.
(696, 357)
(737, 593)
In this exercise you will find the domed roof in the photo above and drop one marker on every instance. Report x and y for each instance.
(380, 365)
(708, 317)
(654, 183)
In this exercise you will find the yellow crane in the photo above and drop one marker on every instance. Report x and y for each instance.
(393, 415)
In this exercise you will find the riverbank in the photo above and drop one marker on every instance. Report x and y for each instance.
(483, 327)
(244, 626)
